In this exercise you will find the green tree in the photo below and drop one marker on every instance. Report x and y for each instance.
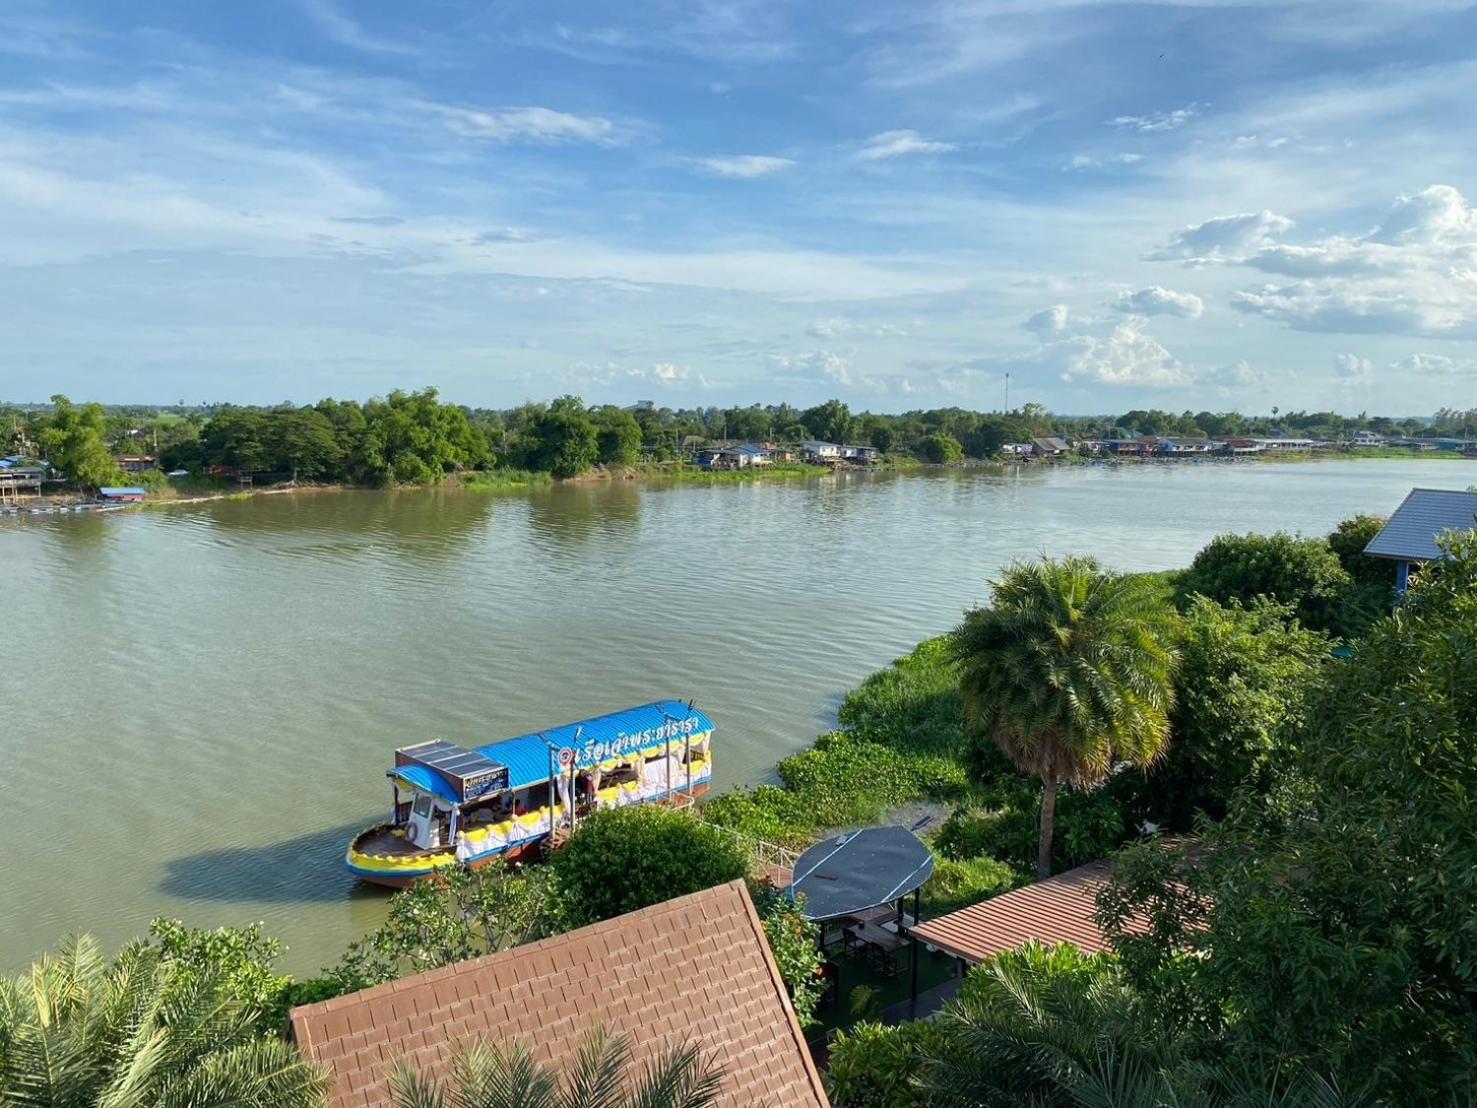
(1244, 674)
(622, 859)
(412, 437)
(146, 1031)
(238, 438)
(303, 442)
(1302, 573)
(795, 943)
(602, 1074)
(562, 442)
(74, 440)
(829, 422)
(940, 449)
(1069, 669)
(459, 913)
(1331, 927)
(618, 436)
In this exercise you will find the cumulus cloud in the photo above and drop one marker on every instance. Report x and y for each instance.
(743, 166)
(1227, 237)
(822, 365)
(1155, 121)
(1352, 366)
(1237, 376)
(1415, 273)
(1048, 322)
(1436, 365)
(1157, 300)
(543, 126)
(894, 144)
(1123, 354)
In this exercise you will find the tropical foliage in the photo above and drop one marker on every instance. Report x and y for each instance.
(1303, 573)
(602, 1074)
(622, 859)
(147, 1030)
(73, 441)
(1070, 669)
(1329, 926)
(794, 942)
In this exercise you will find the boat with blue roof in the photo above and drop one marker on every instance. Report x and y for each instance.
(507, 800)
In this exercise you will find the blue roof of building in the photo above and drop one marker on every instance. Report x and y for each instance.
(1423, 516)
(594, 740)
(130, 490)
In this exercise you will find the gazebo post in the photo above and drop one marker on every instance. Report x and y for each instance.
(913, 954)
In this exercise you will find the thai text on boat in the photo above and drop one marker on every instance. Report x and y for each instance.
(451, 804)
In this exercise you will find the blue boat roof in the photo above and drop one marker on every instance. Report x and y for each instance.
(131, 490)
(427, 780)
(594, 740)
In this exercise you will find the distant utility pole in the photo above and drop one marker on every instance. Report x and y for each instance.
(1007, 392)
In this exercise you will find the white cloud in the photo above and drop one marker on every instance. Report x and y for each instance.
(526, 124)
(343, 29)
(842, 325)
(822, 365)
(1227, 237)
(894, 144)
(1123, 355)
(1437, 365)
(1351, 366)
(1237, 376)
(1157, 300)
(664, 371)
(744, 166)
(1156, 121)
(1081, 162)
(1415, 273)
(1048, 322)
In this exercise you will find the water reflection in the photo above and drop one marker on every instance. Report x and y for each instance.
(295, 871)
(573, 515)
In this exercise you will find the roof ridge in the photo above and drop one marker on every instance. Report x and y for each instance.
(425, 977)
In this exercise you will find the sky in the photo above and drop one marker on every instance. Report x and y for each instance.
(1197, 204)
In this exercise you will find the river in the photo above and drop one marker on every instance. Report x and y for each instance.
(200, 701)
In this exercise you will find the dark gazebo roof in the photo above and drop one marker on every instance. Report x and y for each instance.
(857, 870)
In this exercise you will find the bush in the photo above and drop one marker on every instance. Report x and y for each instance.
(767, 812)
(843, 781)
(1003, 823)
(873, 1066)
(1244, 673)
(913, 704)
(959, 882)
(940, 449)
(623, 859)
(1304, 574)
(795, 943)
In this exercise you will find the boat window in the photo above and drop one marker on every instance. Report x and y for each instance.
(422, 804)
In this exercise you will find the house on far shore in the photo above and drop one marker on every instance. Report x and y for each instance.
(734, 457)
(859, 455)
(135, 463)
(695, 969)
(1015, 449)
(1409, 538)
(822, 453)
(1049, 447)
(117, 495)
(1182, 447)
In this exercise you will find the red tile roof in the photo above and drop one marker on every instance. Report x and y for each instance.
(1057, 910)
(695, 968)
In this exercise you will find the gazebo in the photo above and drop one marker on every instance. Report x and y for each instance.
(1410, 537)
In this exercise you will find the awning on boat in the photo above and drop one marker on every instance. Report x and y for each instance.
(646, 729)
(427, 780)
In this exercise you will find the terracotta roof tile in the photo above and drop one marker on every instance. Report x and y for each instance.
(1057, 910)
(697, 968)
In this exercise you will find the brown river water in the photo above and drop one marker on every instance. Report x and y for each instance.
(199, 702)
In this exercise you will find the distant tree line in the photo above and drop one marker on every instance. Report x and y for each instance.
(413, 437)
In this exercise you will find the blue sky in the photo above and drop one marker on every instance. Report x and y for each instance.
(1213, 203)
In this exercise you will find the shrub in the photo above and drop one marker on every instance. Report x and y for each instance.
(842, 780)
(956, 883)
(873, 1066)
(628, 858)
(767, 812)
(794, 942)
(940, 449)
(1304, 574)
(913, 704)
(1003, 824)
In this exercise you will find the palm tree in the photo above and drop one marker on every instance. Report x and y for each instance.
(1069, 670)
(486, 1075)
(146, 1031)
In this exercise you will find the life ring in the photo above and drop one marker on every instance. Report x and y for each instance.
(410, 833)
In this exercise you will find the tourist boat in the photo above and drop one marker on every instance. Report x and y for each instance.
(453, 805)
